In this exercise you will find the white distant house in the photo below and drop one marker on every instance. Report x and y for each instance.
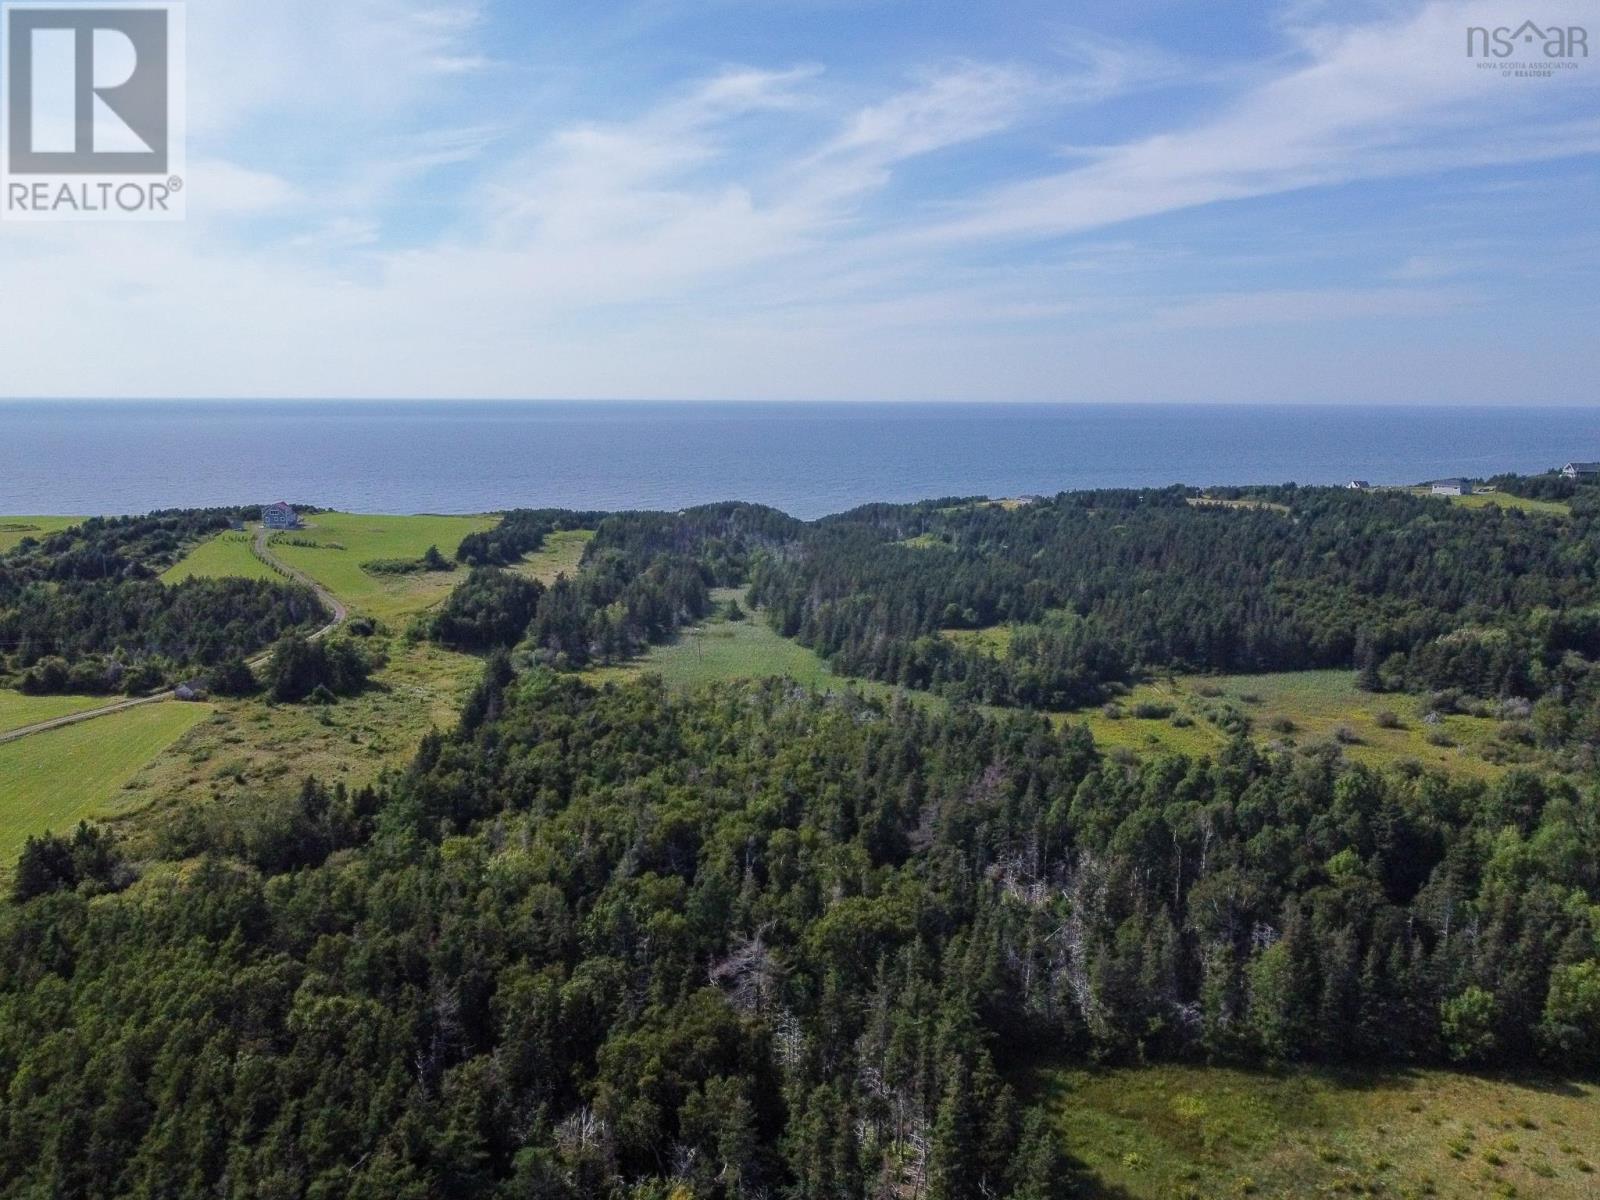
(1358, 485)
(279, 516)
(1574, 470)
(1451, 487)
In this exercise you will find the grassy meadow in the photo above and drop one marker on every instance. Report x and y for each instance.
(1290, 708)
(228, 554)
(1494, 499)
(250, 749)
(1194, 1133)
(560, 555)
(1293, 708)
(334, 546)
(722, 649)
(53, 780)
(17, 710)
(1185, 713)
(14, 529)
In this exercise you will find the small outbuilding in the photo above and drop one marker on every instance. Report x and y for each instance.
(1452, 487)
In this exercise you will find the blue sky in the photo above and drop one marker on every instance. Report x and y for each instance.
(845, 199)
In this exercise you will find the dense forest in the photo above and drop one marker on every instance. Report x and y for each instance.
(747, 940)
(756, 942)
(1414, 592)
(84, 610)
(1096, 589)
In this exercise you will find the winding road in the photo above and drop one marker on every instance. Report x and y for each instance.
(332, 603)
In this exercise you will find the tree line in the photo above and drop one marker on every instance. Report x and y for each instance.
(84, 610)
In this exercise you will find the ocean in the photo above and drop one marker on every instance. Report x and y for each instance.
(86, 458)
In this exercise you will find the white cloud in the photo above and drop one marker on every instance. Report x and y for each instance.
(341, 65)
(1369, 101)
(739, 236)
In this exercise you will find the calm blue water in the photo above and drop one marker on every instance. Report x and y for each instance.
(807, 459)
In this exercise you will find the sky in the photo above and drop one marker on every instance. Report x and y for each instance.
(1023, 200)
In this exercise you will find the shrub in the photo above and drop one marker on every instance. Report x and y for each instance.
(1152, 710)
(1346, 736)
(46, 677)
(141, 678)
(431, 560)
(1514, 709)
(1281, 725)
(1438, 737)
(1518, 733)
(1445, 702)
(1389, 720)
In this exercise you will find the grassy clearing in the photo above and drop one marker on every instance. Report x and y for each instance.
(1553, 508)
(1160, 1132)
(749, 649)
(17, 710)
(1293, 708)
(1209, 502)
(562, 553)
(227, 555)
(1494, 499)
(339, 543)
(14, 529)
(250, 749)
(994, 641)
(53, 780)
(1317, 705)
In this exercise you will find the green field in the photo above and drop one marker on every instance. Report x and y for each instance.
(250, 750)
(748, 649)
(1158, 1133)
(1318, 706)
(1492, 499)
(1552, 508)
(17, 710)
(560, 555)
(14, 529)
(1315, 704)
(227, 554)
(53, 780)
(342, 542)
